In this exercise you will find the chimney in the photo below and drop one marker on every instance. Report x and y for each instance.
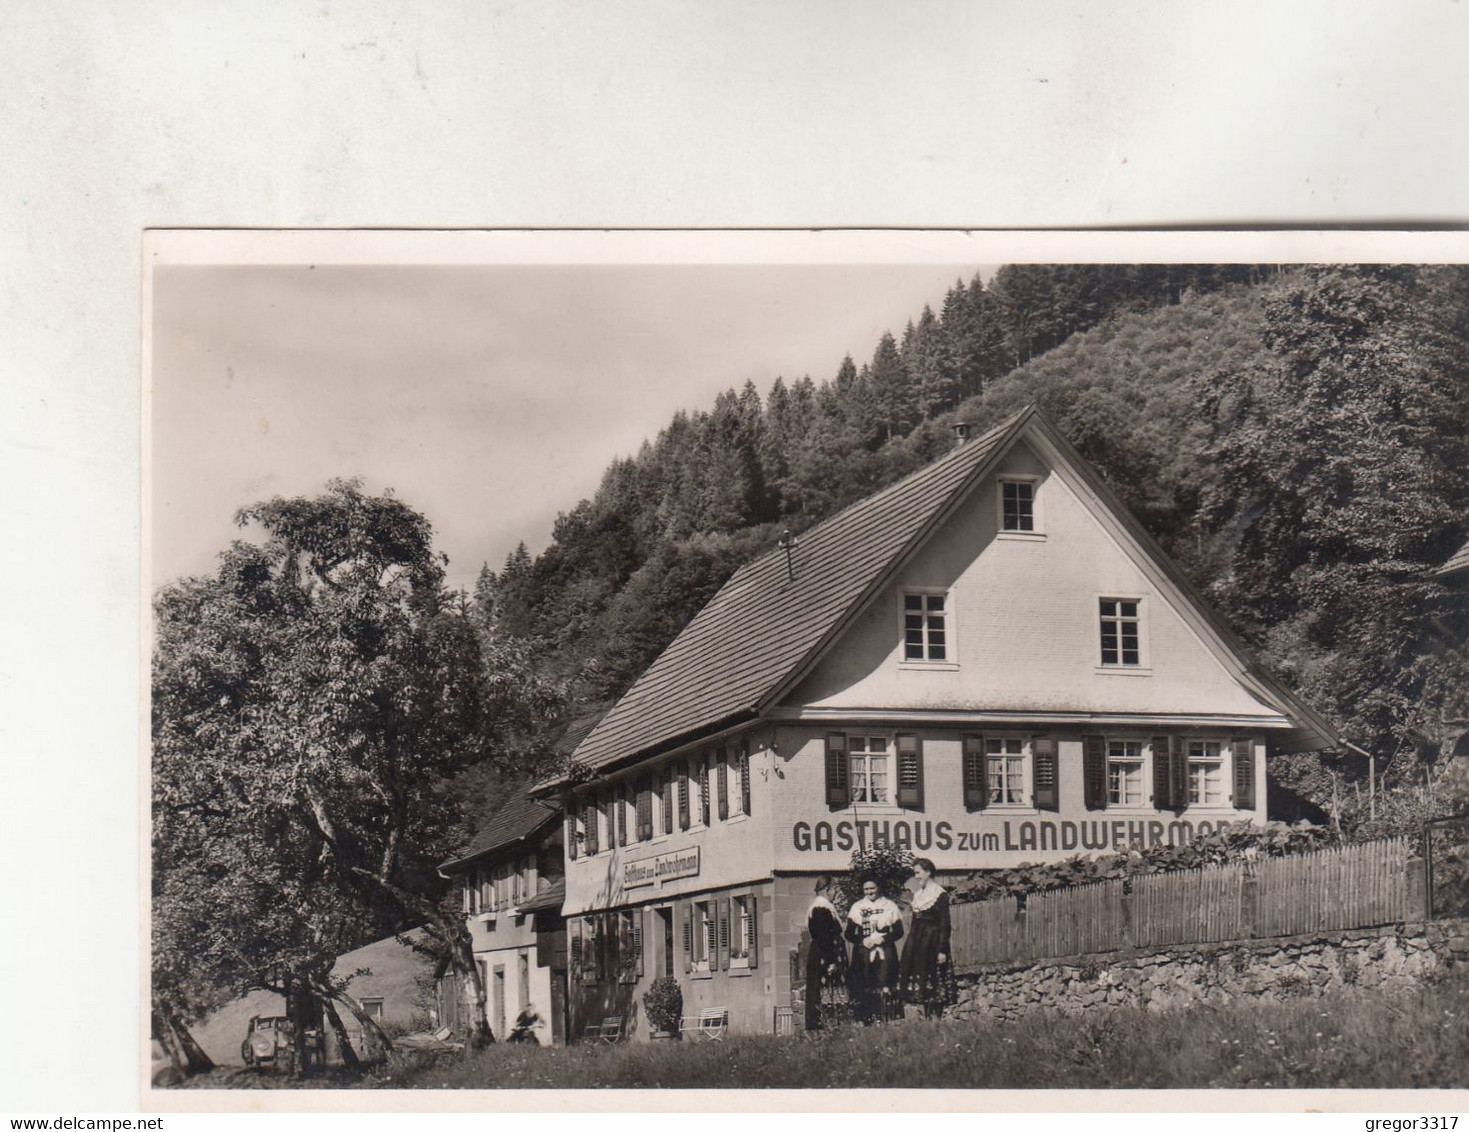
(961, 432)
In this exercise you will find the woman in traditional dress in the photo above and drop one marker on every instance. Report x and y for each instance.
(925, 975)
(874, 926)
(826, 960)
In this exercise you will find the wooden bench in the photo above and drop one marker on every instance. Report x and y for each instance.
(609, 1031)
(711, 1024)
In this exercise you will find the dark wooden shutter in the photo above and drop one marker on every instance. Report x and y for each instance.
(1094, 772)
(688, 937)
(752, 946)
(683, 795)
(1244, 773)
(705, 809)
(1045, 774)
(838, 792)
(976, 779)
(639, 917)
(1178, 771)
(910, 772)
(571, 831)
(670, 784)
(590, 820)
(619, 799)
(578, 952)
(1163, 773)
(645, 809)
(721, 778)
(721, 909)
(744, 776)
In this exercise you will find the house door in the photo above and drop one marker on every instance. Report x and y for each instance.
(665, 923)
(500, 1003)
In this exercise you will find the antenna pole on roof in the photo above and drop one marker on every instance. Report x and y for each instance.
(788, 543)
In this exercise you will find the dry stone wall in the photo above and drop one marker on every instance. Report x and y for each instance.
(1391, 958)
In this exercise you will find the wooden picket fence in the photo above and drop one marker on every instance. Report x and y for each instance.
(1353, 886)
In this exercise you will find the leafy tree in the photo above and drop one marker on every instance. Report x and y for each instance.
(310, 703)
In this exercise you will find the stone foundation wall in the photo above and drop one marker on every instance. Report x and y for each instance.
(1391, 958)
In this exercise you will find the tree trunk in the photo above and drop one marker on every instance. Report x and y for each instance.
(179, 1042)
(375, 1044)
(344, 1044)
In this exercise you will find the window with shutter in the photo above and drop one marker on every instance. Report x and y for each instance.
(705, 801)
(670, 786)
(752, 943)
(1162, 773)
(645, 809)
(722, 909)
(976, 775)
(837, 791)
(619, 800)
(1206, 782)
(1178, 770)
(1094, 772)
(721, 780)
(688, 938)
(571, 831)
(744, 777)
(1243, 751)
(910, 772)
(577, 958)
(1045, 774)
(739, 931)
(591, 822)
(683, 795)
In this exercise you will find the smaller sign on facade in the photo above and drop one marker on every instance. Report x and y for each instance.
(665, 866)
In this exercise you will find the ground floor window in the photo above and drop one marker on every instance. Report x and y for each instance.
(740, 931)
(704, 935)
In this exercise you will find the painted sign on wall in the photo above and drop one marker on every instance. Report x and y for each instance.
(665, 866)
(1108, 834)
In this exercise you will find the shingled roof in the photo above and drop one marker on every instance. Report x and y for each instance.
(1459, 561)
(763, 625)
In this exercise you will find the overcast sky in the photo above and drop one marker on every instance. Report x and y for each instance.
(488, 397)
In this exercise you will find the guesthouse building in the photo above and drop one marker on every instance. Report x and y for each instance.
(989, 662)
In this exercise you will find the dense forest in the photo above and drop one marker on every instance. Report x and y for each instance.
(1295, 438)
(329, 721)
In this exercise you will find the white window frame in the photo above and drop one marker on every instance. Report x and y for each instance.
(1143, 761)
(1226, 770)
(1037, 533)
(705, 937)
(949, 661)
(1025, 802)
(887, 755)
(1143, 667)
(739, 927)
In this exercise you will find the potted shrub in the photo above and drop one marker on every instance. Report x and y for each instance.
(663, 1006)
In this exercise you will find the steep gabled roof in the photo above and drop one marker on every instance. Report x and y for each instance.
(1459, 562)
(763, 625)
(518, 818)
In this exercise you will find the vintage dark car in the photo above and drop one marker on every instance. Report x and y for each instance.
(270, 1042)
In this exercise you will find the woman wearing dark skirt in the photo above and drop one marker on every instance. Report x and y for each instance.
(826, 963)
(874, 926)
(925, 975)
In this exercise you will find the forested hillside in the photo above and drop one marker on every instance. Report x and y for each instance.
(1296, 439)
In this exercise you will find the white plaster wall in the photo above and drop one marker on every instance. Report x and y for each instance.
(800, 806)
(1024, 623)
(540, 988)
(733, 851)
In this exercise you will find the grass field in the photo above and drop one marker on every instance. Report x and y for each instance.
(1353, 1039)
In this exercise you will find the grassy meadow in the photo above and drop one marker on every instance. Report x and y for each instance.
(1348, 1039)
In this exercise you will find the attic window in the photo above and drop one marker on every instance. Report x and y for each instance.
(925, 626)
(1017, 505)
